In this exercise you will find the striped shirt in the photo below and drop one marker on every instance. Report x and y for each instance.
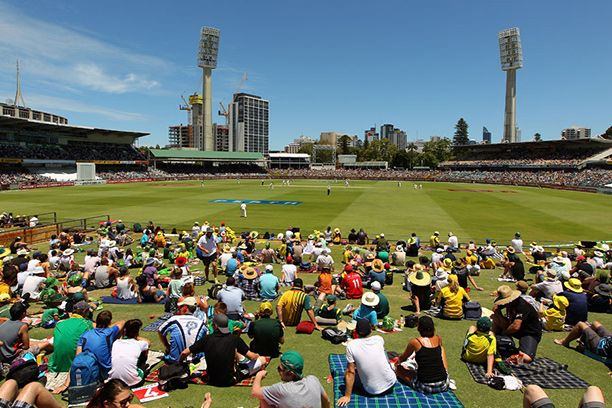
(292, 303)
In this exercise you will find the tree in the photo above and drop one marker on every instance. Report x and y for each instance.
(306, 148)
(344, 144)
(537, 137)
(461, 136)
(435, 152)
(608, 134)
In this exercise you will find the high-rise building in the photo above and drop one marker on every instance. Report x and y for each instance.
(248, 124)
(180, 136)
(386, 131)
(486, 136)
(221, 137)
(370, 135)
(575, 132)
(400, 139)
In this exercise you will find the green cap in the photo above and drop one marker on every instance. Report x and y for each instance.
(77, 297)
(484, 324)
(331, 299)
(51, 282)
(293, 361)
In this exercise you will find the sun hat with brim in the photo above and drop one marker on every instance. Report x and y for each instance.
(150, 261)
(188, 301)
(227, 248)
(441, 274)
(510, 250)
(560, 302)
(180, 261)
(551, 274)
(112, 244)
(447, 262)
(559, 260)
(51, 282)
(505, 295)
(75, 280)
(292, 361)
(377, 265)
(420, 278)
(254, 234)
(4, 252)
(574, 285)
(370, 299)
(68, 252)
(38, 270)
(370, 257)
(603, 289)
(4, 297)
(22, 251)
(250, 273)
(439, 250)
(598, 254)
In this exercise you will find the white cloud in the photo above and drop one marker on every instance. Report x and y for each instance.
(52, 103)
(54, 53)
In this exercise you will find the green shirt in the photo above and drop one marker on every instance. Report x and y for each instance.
(48, 314)
(266, 334)
(65, 337)
(382, 309)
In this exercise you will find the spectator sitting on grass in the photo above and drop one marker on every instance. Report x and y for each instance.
(329, 314)
(480, 345)
(382, 308)
(267, 333)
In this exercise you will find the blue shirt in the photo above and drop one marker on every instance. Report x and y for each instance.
(378, 277)
(578, 309)
(231, 266)
(232, 297)
(366, 312)
(267, 286)
(100, 343)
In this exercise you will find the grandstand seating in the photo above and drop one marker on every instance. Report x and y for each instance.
(82, 151)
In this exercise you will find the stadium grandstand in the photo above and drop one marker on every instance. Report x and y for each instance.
(194, 163)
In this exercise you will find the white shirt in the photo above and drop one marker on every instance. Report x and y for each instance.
(436, 257)
(210, 244)
(33, 263)
(33, 222)
(372, 364)
(325, 261)
(289, 270)
(31, 286)
(124, 357)
(226, 256)
(243, 206)
(453, 241)
(195, 231)
(517, 244)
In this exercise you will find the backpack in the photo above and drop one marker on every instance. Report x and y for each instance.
(214, 290)
(137, 227)
(389, 278)
(472, 310)
(505, 346)
(24, 370)
(84, 369)
(411, 321)
(335, 336)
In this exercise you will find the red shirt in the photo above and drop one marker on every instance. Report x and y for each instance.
(353, 286)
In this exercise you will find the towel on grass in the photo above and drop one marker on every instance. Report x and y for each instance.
(402, 395)
(116, 301)
(155, 325)
(542, 371)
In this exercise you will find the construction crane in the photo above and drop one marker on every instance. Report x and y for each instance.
(224, 111)
(186, 106)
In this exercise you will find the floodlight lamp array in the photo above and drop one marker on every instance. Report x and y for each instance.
(209, 47)
(510, 49)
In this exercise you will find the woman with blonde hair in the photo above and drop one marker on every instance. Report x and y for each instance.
(451, 299)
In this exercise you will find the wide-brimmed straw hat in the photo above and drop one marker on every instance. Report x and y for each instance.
(250, 273)
(420, 278)
(377, 265)
(68, 252)
(505, 295)
(370, 299)
(574, 285)
(603, 289)
(180, 261)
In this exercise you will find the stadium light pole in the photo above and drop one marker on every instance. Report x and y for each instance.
(207, 60)
(511, 58)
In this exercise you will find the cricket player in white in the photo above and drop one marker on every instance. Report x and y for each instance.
(243, 210)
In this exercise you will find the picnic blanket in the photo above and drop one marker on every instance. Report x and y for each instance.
(402, 395)
(607, 361)
(155, 325)
(542, 371)
(116, 301)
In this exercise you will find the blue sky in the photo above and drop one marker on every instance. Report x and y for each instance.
(324, 65)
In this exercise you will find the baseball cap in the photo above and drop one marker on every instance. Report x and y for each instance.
(375, 286)
(364, 328)
(221, 322)
(484, 324)
(188, 301)
(293, 361)
(265, 307)
(269, 268)
(298, 283)
(331, 299)
(348, 268)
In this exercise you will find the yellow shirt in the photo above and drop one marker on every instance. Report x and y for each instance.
(453, 302)
(471, 260)
(477, 347)
(554, 319)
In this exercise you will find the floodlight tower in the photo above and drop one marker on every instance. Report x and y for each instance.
(511, 57)
(207, 60)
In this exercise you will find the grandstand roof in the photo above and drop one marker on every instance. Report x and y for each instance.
(544, 144)
(188, 154)
(67, 130)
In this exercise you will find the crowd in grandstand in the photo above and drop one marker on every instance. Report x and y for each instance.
(72, 151)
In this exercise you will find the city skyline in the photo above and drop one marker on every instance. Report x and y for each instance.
(422, 69)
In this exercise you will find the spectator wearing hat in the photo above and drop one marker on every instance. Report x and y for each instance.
(289, 271)
(578, 309)
(329, 313)
(431, 375)
(553, 316)
(453, 242)
(291, 305)
(521, 321)
(437, 258)
(523, 287)
(267, 333)
(351, 283)
(181, 330)
(434, 240)
(294, 389)
(269, 284)
(583, 268)
(480, 345)
(600, 301)
(221, 351)
(206, 250)
(382, 308)
(233, 296)
(15, 337)
(548, 287)
(325, 260)
(368, 370)
(420, 289)
(377, 273)
(248, 282)
(513, 266)
(451, 299)
(367, 310)
(440, 279)
(517, 243)
(66, 335)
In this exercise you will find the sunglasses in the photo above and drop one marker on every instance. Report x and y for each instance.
(124, 403)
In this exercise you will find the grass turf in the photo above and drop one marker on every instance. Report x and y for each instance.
(471, 211)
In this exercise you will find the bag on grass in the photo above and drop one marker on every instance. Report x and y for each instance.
(214, 290)
(137, 227)
(305, 327)
(389, 278)
(411, 321)
(24, 370)
(84, 369)
(505, 346)
(334, 335)
(472, 310)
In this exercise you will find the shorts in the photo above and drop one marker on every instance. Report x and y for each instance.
(431, 388)
(207, 260)
(547, 403)
(16, 404)
(529, 345)
(590, 337)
